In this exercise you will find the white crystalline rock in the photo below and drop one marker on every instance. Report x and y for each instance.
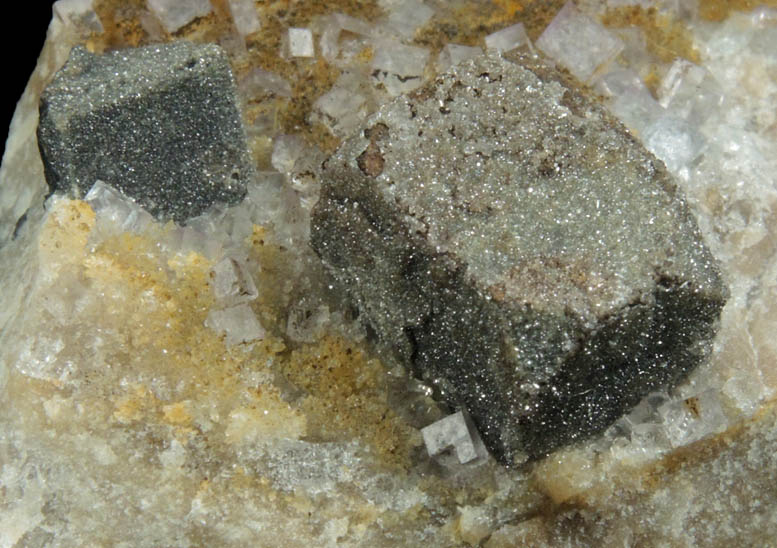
(579, 43)
(453, 431)
(399, 67)
(301, 42)
(238, 322)
(245, 17)
(78, 12)
(508, 38)
(118, 209)
(407, 16)
(259, 80)
(674, 142)
(232, 283)
(453, 54)
(174, 14)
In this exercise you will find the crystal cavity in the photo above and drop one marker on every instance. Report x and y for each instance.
(510, 241)
(134, 119)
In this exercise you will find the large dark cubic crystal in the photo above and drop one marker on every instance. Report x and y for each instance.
(517, 247)
(160, 123)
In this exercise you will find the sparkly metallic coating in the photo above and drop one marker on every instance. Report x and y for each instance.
(160, 123)
(513, 243)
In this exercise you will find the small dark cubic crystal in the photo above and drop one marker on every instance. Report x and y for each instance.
(508, 239)
(159, 123)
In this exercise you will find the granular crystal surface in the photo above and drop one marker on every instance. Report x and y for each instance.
(518, 248)
(160, 123)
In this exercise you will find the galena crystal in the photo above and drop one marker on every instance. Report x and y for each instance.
(510, 241)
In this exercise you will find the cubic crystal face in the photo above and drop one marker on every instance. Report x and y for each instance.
(508, 239)
(159, 123)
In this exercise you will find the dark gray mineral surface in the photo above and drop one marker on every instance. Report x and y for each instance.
(160, 123)
(519, 249)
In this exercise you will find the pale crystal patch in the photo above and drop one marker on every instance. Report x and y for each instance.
(306, 323)
(301, 42)
(120, 210)
(287, 150)
(258, 80)
(331, 28)
(340, 109)
(690, 92)
(508, 38)
(689, 420)
(407, 16)
(631, 101)
(238, 322)
(453, 54)
(78, 12)
(399, 67)
(674, 141)
(578, 42)
(174, 14)
(244, 15)
(232, 282)
(453, 432)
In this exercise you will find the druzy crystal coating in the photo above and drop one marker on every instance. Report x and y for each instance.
(509, 240)
(160, 123)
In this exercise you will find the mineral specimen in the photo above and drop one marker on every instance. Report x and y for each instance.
(159, 123)
(513, 243)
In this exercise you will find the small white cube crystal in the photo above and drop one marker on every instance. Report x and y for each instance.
(232, 283)
(453, 54)
(579, 43)
(244, 15)
(508, 38)
(239, 323)
(301, 43)
(453, 431)
(174, 14)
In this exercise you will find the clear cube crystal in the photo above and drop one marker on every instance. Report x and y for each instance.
(508, 38)
(174, 14)
(301, 42)
(579, 43)
(121, 211)
(455, 432)
(238, 322)
(233, 283)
